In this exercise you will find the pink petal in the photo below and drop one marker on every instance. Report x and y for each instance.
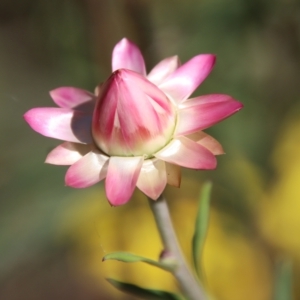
(207, 141)
(173, 174)
(126, 55)
(70, 97)
(67, 153)
(187, 153)
(163, 69)
(204, 111)
(61, 123)
(89, 170)
(153, 178)
(121, 179)
(184, 81)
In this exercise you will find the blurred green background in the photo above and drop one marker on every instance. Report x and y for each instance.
(53, 238)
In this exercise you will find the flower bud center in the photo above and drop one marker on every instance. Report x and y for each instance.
(132, 116)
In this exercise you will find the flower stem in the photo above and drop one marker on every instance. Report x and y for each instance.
(188, 283)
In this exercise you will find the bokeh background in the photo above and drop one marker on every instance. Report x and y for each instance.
(53, 238)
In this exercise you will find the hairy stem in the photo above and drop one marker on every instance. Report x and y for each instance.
(188, 282)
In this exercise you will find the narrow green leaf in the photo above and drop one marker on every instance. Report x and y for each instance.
(132, 258)
(201, 224)
(138, 291)
(283, 282)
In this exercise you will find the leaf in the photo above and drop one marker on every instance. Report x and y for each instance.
(132, 258)
(135, 290)
(283, 282)
(201, 224)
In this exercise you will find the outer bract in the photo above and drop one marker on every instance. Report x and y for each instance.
(137, 130)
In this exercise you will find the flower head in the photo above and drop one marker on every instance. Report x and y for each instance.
(137, 129)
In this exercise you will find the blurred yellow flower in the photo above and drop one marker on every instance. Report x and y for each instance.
(235, 266)
(279, 213)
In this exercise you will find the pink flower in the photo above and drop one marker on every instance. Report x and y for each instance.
(138, 129)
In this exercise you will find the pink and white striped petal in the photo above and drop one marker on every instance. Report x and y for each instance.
(61, 123)
(187, 153)
(173, 174)
(87, 171)
(126, 55)
(183, 82)
(153, 178)
(163, 69)
(121, 178)
(70, 97)
(204, 111)
(67, 153)
(207, 141)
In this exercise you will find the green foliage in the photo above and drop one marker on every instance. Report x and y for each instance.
(201, 225)
(142, 292)
(283, 282)
(132, 258)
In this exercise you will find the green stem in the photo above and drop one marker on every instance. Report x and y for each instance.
(188, 282)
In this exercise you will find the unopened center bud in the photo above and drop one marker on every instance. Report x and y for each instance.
(132, 116)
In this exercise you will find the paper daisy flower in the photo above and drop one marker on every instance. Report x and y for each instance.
(137, 129)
